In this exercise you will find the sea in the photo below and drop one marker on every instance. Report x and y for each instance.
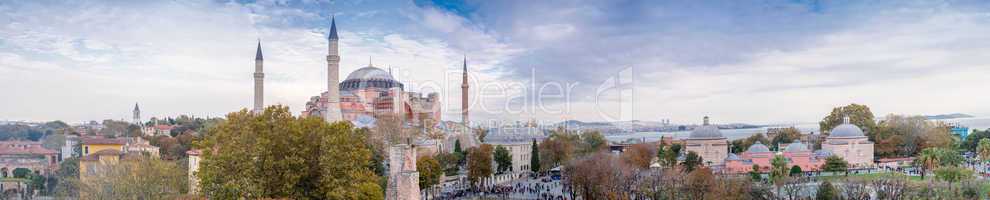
(981, 123)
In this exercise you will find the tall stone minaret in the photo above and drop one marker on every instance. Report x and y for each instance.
(333, 69)
(259, 81)
(464, 94)
(137, 115)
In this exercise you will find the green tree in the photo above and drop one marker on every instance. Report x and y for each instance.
(755, 173)
(784, 136)
(778, 168)
(953, 174)
(671, 155)
(592, 142)
(691, 161)
(835, 164)
(534, 159)
(503, 158)
(983, 149)
(479, 162)
(21, 172)
(826, 192)
(660, 154)
(457, 146)
(275, 155)
(795, 171)
(429, 171)
(860, 115)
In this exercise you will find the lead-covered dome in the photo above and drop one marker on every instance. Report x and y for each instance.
(797, 146)
(758, 147)
(369, 77)
(706, 131)
(846, 129)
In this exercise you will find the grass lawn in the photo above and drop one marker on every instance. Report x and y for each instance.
(869, 176)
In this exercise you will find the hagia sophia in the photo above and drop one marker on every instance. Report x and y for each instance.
(366, 94)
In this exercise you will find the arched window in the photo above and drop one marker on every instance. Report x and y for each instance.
(86, 150)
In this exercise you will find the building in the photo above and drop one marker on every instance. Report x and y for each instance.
(28, 155)
(707, 141)
(92, 145)
(158, 129)
(98, 164)
(519, 142)
(69, 148)
(141, 146)
(796, 153)
(370, 91)
(848, 141)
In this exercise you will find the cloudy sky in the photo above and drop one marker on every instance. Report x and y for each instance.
(767, 61)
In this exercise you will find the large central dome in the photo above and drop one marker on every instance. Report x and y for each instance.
(369, 77)
(706, 131)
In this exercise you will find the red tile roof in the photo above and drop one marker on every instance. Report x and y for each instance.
(24, 148)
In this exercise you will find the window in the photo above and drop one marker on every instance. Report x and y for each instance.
(86, 150)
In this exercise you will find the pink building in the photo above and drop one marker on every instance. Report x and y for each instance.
(796, 153)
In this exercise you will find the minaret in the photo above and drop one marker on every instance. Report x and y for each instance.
(137, 115)
(464, 94)
(333, 69)
(259, 81)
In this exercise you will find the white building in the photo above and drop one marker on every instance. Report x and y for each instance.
(519, 142)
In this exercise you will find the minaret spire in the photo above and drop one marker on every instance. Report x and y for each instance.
(332, 112)
(464, 94)
(259, 81)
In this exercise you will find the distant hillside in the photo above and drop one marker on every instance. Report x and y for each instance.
(949, 116)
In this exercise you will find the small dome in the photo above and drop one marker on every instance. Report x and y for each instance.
(797, 146)
(706, 131)
(758, 147)
(732, 156)
(846, 129)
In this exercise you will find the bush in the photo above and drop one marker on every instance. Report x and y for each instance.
(21, 172)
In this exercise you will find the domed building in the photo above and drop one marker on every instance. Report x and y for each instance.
(707, 141)
(368, 94)
(796, 153)
(371, 92)
(848, 141)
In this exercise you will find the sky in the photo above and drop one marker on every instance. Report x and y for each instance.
(768, 61)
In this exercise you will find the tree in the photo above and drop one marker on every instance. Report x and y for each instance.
(691, 161)
(479, 162)
(503, 158)
(953, 174)
(21, 172)
(457, 146)
(137, 178)
(983, 149)
(592, 142)
(557, 149)
(740, 145)
(826, 192)
(700, 182)
(784, 136)
(481, 133)
(275, 155)
(928, 160)
(778, 168)
(754, 173)
(672, 154)
(639, 155)
(534, 159)
(448, 162)
(835, 164)
(429, 171)
(795, 171)
(860, 115)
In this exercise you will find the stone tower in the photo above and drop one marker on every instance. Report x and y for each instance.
(137, 115)
(332, 113)
(464, 94)
(259, 81)
(403, 179)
